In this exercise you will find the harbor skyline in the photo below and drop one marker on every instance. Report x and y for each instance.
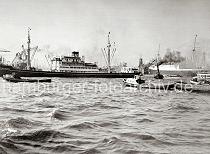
(137, 27)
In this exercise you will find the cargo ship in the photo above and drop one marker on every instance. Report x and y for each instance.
(66, 66)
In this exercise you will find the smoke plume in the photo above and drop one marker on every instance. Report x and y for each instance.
(172, 57)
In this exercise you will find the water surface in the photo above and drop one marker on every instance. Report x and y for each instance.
(101, 116)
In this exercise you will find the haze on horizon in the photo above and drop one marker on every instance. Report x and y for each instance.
(137, 26)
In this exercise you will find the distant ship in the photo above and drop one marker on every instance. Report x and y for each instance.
(174, 69)
(189, 67)
(66, 66)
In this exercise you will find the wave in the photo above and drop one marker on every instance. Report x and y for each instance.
(39, 136)
(45, 104)
(137, 152)
(2, 151)
(84, 125)
(91, 125)
(154, 110)
(7, 147)
(104, 106)
(62, 148)
(206, 120)
(90, 151)
(173, 135)
(20, 123)
(55, 142)
(44, 94)
(112, 140)
(16, 110)
(146, 137)
(145, 120)
(182, 108)
(108, 124)
(139, 136)
(140, 114)
(59, 114)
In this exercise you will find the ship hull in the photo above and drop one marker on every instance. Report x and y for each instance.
(27, 73)
(186, 73)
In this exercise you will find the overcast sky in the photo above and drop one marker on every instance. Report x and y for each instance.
(137, 26)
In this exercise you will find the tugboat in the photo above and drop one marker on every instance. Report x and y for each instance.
(194, 86)
(158, 75)
(158, 62)
(201, 79)
(199, 84)
(133, 82)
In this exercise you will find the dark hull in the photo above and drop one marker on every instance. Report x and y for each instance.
(186, 73)
(26, 73)
(26, 80)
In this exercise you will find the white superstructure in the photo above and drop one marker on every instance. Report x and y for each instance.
(73, 63)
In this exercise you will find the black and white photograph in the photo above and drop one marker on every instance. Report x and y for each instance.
(104, 76)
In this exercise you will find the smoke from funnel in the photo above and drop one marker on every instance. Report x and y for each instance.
(172, 57)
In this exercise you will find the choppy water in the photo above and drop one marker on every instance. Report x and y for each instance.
(88, 116)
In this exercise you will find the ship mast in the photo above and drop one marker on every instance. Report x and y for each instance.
(195, 42)
(109, 53)
(28, 51)
(194, 52)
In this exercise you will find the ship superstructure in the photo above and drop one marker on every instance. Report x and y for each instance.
(73, 63)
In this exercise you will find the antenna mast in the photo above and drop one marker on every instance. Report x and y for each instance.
(28, 51)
